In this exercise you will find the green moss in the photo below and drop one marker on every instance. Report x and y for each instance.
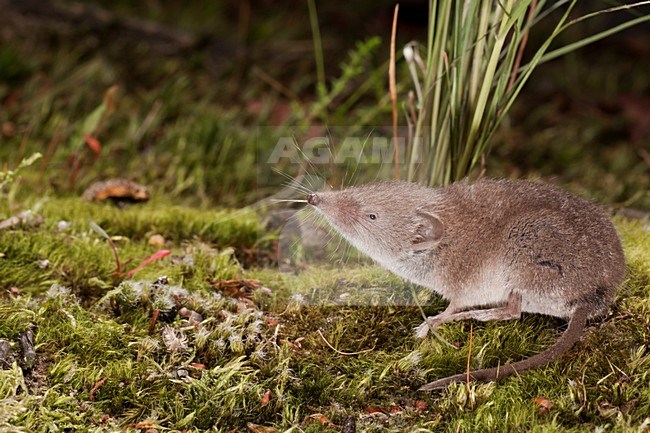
(15, 318)
(175, 223)
(104, 364)
(97, 348)
(33, 259)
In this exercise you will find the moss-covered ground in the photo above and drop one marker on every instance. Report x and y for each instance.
(212, 359)
(212, 336)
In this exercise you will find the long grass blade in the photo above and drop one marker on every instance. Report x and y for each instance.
(594, 38)
(473, 76)
(393, 91)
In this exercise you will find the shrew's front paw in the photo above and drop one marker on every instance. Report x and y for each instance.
(422, 330)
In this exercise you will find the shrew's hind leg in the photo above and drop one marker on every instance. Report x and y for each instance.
(512, 310)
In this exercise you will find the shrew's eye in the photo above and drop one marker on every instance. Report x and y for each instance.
(372, 216)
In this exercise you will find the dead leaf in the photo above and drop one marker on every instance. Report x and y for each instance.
(154, 318)
(322, 419)
(544, 404)
(420, 405)
(395, 410)
(373, 409)
(116, 189)
(295, 345)
(266, 398)
(93, 143)
(255, 428)
(244, 305)
(243, 288)
(96, 387)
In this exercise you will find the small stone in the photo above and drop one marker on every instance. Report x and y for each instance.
(5, 348)
(157, 241)
(195, 318)
(63, 225)
(29, 352)
(182, 374)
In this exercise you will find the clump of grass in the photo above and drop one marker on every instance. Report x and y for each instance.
(472, 74)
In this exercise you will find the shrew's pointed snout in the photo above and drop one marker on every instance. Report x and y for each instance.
(313, 199)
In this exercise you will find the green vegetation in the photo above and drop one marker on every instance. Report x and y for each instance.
(65, 249)
(274, 359)
(213, 336)
(472, 74)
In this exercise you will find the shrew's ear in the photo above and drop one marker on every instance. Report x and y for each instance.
(428, 231)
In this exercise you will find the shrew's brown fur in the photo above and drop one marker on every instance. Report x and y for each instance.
(493, 248)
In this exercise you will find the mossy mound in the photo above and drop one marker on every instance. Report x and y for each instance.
(195, 341)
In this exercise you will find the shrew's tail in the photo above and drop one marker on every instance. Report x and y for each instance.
(572, 334)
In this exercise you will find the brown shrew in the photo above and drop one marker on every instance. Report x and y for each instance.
(492, 248)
